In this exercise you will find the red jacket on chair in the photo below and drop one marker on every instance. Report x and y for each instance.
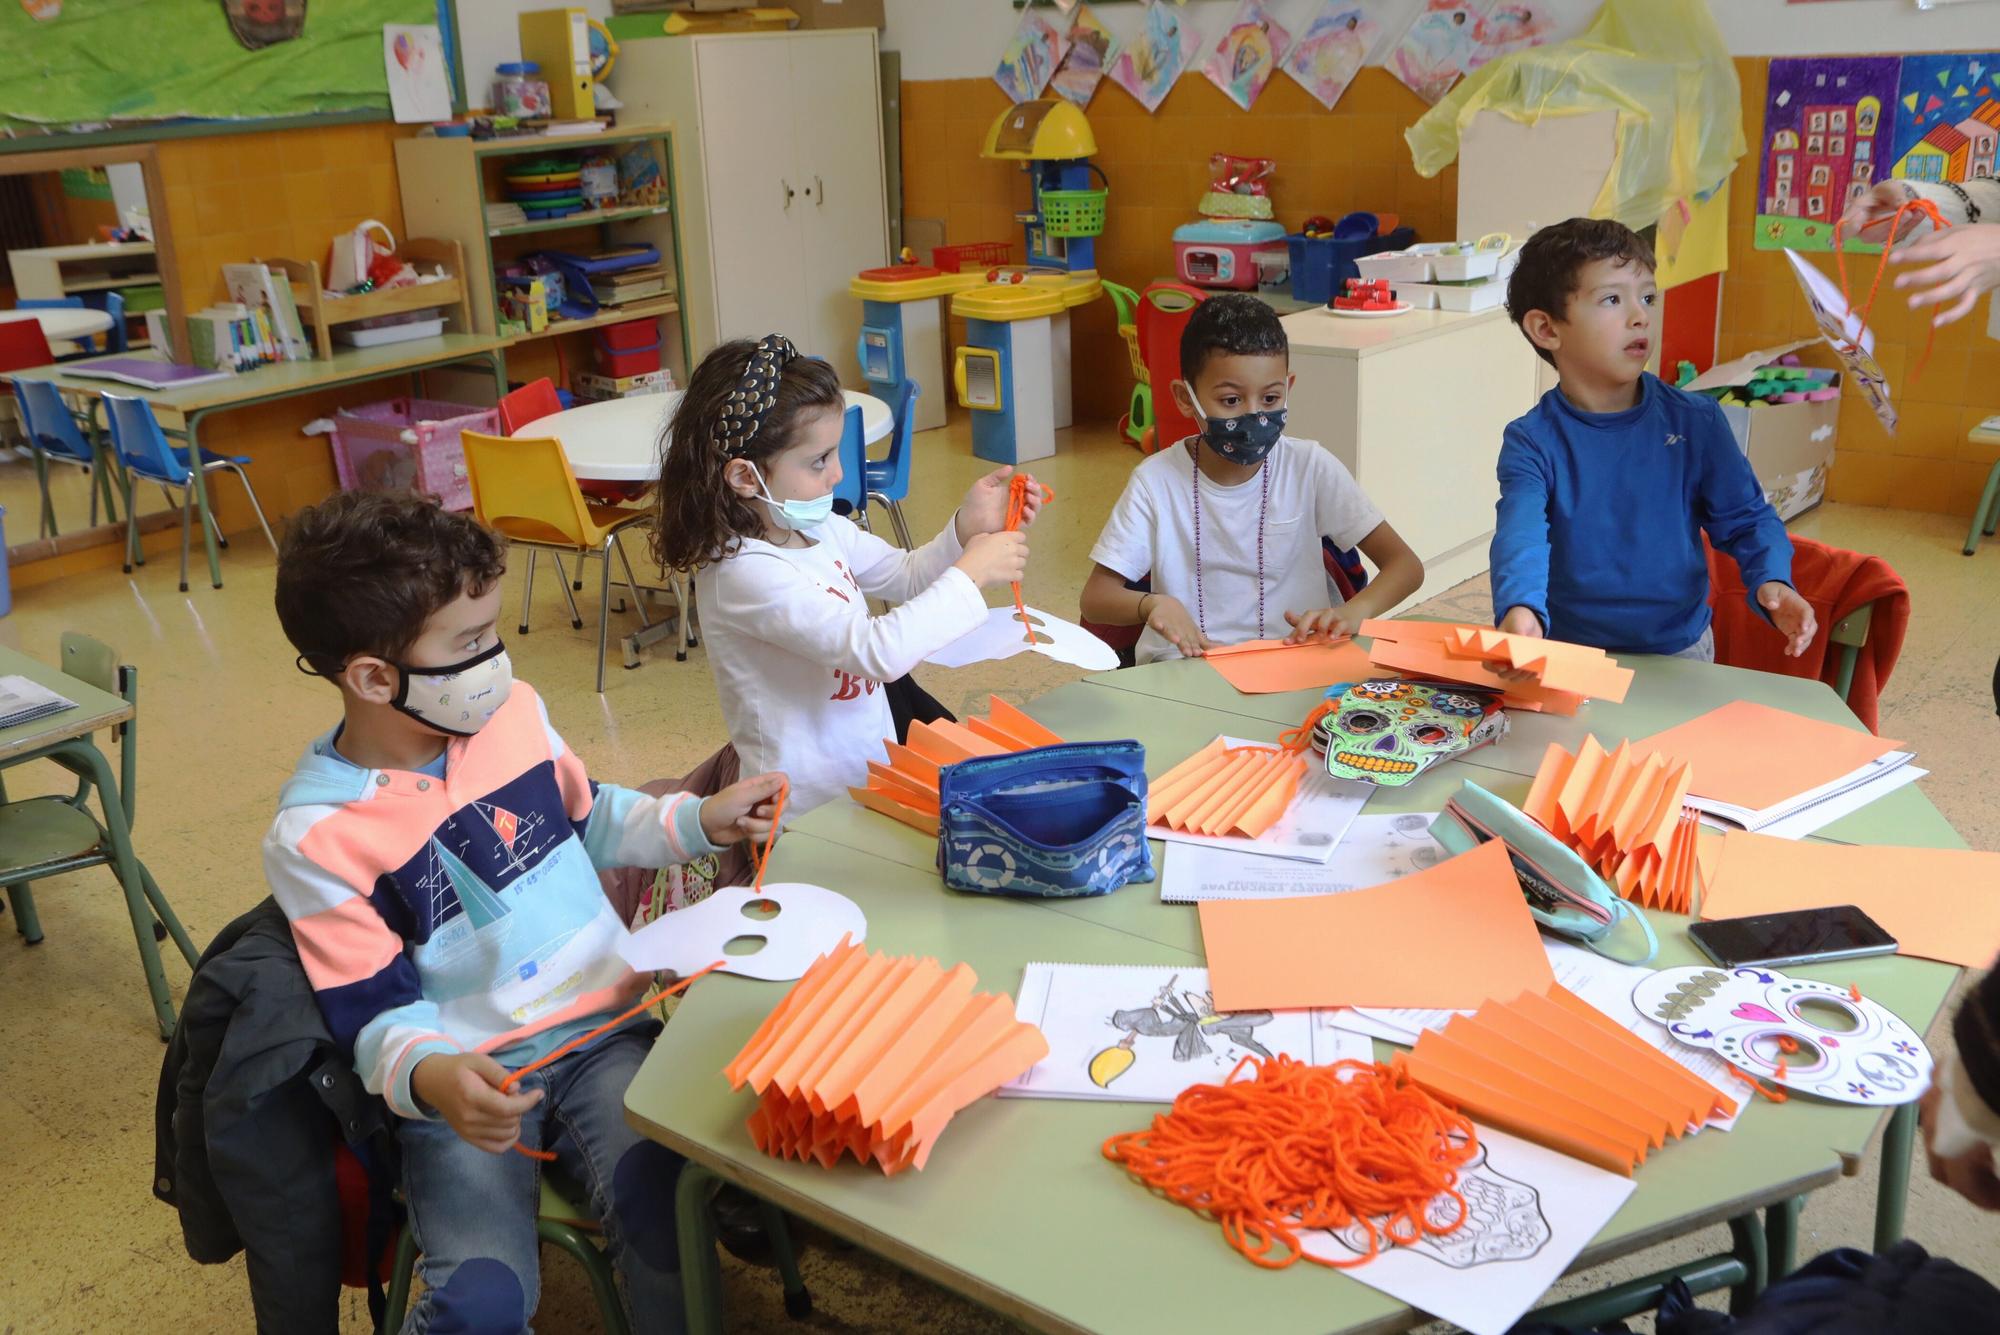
(1835, 582)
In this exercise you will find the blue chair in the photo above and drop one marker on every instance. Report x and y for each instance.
(889, 477)
(851, 496)
(114, 306)
(54, 437)
(87, 345)
(143, 450)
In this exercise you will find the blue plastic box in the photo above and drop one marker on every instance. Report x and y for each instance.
(1321, 266)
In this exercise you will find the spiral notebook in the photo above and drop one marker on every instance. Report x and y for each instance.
(25, 701)
(1139, 1033)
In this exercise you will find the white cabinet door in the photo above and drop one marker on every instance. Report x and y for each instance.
(757, 205)
(836, 92)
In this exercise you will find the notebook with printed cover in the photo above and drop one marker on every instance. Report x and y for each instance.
(25, 701)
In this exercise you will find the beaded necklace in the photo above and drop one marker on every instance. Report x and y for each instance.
(1263, 508)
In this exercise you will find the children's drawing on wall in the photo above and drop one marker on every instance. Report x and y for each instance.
(1508, 27)
(1031, 57)
(419, 83)
(1825, 141)
(1504, 1221)
(1144, 1033)
(1246, 56)
(1436, 49)
(1853, 342)
(1148, 65)
(1333, 48)
(1090, 50)
(1947, 117)
(261, 23)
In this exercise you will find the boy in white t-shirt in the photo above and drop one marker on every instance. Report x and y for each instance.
(1228, 523)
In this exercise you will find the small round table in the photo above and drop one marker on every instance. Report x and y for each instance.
(618, 440)
(63, 324)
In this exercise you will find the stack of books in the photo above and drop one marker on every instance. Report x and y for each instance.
(24, 701)
(504, 213)
(615, 289)
(257, 326)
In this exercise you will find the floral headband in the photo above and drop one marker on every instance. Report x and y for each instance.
(744, 410)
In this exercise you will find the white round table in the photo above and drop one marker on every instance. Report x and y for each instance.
(63, 324)
(618, 440)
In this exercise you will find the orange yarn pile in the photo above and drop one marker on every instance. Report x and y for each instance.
(1291, 1147)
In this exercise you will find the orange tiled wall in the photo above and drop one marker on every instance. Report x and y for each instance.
(275, 193)
(1328, 162)
(1927, 464)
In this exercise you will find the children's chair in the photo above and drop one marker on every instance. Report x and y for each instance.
(1139, 415)
(143, 451)
(1986, 517)
(530, 403)
(54, 437)
(1164, 311)
(49, 836)
(23, 344)
(850, 495)
(114, 306)
(522, 486)
(888, 478)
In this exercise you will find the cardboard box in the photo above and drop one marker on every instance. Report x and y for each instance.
(596, 388)
(1790, 445)
(838, 13)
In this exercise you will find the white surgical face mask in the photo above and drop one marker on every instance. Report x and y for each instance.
(460, 698)
(795, 515)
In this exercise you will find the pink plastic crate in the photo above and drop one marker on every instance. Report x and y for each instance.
(409, 445)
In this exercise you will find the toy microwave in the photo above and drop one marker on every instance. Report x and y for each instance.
(1224, 253)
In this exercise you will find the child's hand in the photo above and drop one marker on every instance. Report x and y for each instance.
(1791, 614)
(741, 811)
(1169, 619)
(993, 559)
(1519, 621)
(984, 509)
(464, 1088)
(1326, 623)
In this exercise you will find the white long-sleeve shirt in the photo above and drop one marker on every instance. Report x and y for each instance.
(798, 660)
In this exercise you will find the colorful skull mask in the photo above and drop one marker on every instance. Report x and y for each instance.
(1847, 1050)
(1387, 731)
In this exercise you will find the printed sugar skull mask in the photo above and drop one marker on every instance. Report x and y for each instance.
(1387, 731)
(1829, 1044)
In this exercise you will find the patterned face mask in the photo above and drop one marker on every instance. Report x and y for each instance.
(460, 698)
(1243, 439)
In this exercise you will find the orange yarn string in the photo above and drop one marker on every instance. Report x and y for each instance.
(1017, 506)
(1291, 1147)
(1774, 1095)
(1300, 738)
(1938, 220)
(763, 858)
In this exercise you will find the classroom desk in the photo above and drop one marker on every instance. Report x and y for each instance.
(62, 324)
(67, 738)
(185, 408)
(983, 1218)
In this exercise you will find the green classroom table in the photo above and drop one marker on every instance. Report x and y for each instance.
(1018, 1211)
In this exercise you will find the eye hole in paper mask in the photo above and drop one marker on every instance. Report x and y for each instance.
(763, 910)
(738, 946)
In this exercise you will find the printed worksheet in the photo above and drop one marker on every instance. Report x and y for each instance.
(1372, 850)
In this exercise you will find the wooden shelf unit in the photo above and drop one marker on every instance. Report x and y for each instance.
(50, 273)
(320, 313)
(446, 184)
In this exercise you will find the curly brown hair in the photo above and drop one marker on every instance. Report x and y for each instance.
(1552, 263)
(362, 572)
(698, 518)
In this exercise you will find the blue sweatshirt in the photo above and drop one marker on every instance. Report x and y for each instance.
(1600, 519)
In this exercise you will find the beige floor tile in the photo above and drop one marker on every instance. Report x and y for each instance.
(224, 714)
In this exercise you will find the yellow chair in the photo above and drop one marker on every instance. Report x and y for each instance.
(523, 487)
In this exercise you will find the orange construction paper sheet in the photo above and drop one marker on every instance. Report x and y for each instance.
(906, 789)
(1224, 790)
(1558, 664)
(871, 1055)
(1421, 649)
(1548, 1067)
(1626, 816)
(1940, 903)
(1754, 756)
(1265, 667)
(1445, 938)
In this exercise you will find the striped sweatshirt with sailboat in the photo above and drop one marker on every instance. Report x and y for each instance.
(464, 913)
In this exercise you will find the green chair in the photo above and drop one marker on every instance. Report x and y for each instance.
(1848, 635)
(1986, 517)
(569, 1225)
(49, 836)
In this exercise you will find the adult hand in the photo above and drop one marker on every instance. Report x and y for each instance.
(464, 1088)
(1325, 624)
(1969, 1173)
(1168, 618)
(984, 509)
(1791, 614)
(1868, 217)
(1519, 621)
(1962, 264)
(741, 811)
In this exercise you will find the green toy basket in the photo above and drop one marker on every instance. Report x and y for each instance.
(1073, 212)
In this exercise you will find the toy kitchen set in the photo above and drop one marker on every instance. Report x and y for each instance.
(1238, 244)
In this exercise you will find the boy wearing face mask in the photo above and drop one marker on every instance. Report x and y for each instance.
(437, 853)
(1228, 522)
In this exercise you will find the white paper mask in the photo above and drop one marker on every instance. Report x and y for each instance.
(810, 921)
(1848, 1051)
(1003, 636)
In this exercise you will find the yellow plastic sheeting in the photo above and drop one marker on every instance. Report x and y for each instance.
(1660, 64)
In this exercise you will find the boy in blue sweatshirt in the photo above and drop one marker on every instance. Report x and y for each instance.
(1607, 484)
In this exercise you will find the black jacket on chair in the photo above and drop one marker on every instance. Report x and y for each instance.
(254, 1100)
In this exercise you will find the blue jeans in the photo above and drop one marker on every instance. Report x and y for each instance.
(474, 1212)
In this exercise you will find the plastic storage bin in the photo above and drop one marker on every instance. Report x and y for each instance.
(1321, 266)
(409, 445)
(621, 362)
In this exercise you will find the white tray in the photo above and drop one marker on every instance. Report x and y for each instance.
(393, 333)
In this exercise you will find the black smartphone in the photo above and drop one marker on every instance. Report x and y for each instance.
(1842, 932)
